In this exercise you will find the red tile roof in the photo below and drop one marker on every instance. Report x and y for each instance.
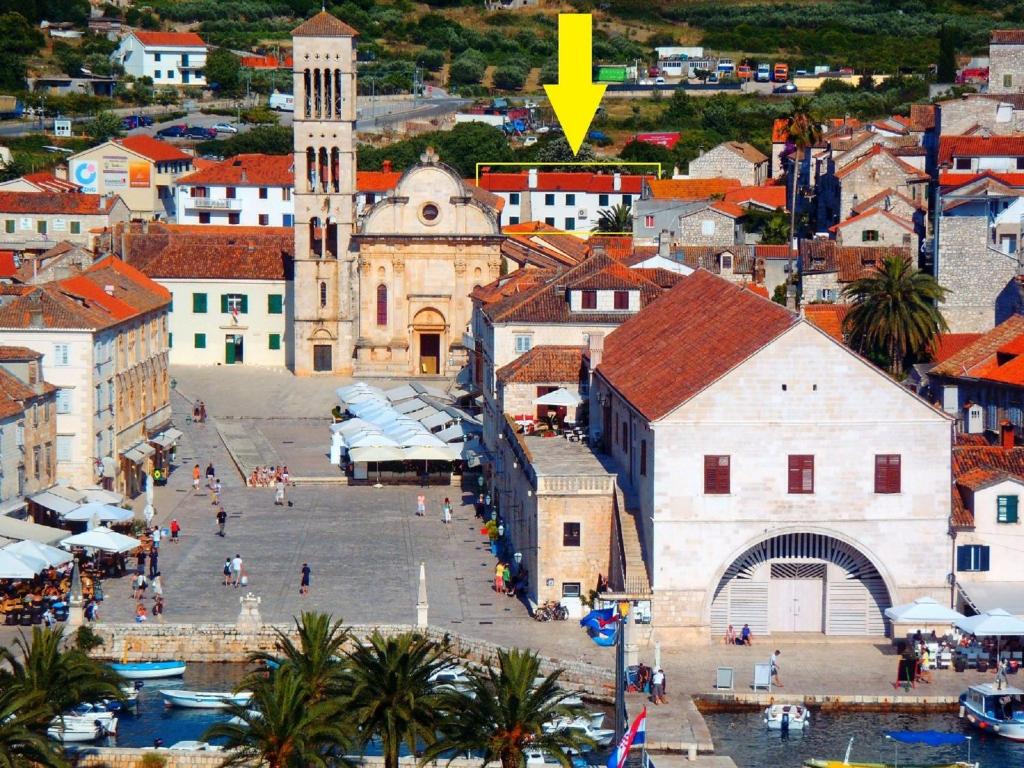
(951, 179)
(71, 203)
(922, 116)
(948, 344)
(981, 359)
(324, 24)
(690, 189)
(84, 288)
(860, 217)
(538, 233)
(976, 465)
(772, 197)
(688, 339)
(828, 317)
(169, 39)
(51, 183)
(849, 261)
(555, 364)
(12, 354)
(561, 181)
(878, 201)
(772, 251)
(154, 149)
(748, 152)
(1007, 37)
(251, 170)
(377, 181)
(7, 265)
(729, 209)
(979, 146)
(879, 151)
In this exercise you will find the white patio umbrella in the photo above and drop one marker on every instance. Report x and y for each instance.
(924, 610)
(375, 453)
(102, 495)
(12, 567)
(370, 439)
(105, 512)
(430, 453)
(561, 397)
(104, 539)
(995, 623)
(36, 554)
(148, 480)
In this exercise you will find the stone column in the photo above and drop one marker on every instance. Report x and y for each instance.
(421, 600)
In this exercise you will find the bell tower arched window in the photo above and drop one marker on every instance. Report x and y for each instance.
(382, 304)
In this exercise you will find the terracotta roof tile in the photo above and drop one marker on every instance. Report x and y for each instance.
(250, 170)
(950, 180)
(772, 251)
(974, 466)
(849, 261)
(729, 209)
(951, 147)
(879, 151)
(662, 277)
(1007, 37)
(554, 364)
(922, 116)
(538, 232)
(562, 181)
(828, 317)
(50, 183)
(772, 197)
(709, 257)
(980, 351)
(72, 203)
(324, 24)
(377, 181)
(169, 39)
(690, 189)
(688, 339)
(860, 217)
(878, 201)
(748, 152)
(12, 354)
(949, 344)
(154, 149)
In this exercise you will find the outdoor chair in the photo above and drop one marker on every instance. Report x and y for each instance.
(983, 664)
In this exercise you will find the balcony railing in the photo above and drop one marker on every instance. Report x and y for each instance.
(215, 204)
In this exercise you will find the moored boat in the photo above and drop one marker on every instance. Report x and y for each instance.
(602, 737)
(927, 738)
(204, 699)
(73, 728)
(840, 764)
(996, 710)
(795, 716)
(149, 670)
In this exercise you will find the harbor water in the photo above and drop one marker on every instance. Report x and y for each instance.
(743, 737)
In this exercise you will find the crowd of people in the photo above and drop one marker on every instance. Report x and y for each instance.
(268, 477)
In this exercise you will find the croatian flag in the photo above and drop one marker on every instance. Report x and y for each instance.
(637, 734)
(599, 618)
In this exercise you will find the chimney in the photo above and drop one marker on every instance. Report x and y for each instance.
(35, 312)
(531, 178)
(665, 244)
(109, 289)
(386, 166)
(617, 182)
(595, 343)
(1006, 436)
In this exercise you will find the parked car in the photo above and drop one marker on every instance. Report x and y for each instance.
(529, 141)
(764, 73)
(744, 72)
(172, 132)
(600, 138)
(225, 128)
(789, 87)
(659, 81)
(200, 133)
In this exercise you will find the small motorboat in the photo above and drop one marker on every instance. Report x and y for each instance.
(570, 700)
(194, 746)
(795, 716)
(537, 758)
(72, 728)
(204, 699)
(929, 738)
(602, 737)
(149, 670)
(995, 710)
(97, 712)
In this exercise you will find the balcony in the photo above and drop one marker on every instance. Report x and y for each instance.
(214, 204)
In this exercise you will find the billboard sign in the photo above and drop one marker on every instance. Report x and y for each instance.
(115, 172)
(85, 173)
(138, 174)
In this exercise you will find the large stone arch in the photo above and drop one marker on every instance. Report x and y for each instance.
(854, 573)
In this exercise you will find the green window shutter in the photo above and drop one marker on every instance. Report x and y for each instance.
(9, 226)
(275, 341)
(1006, 507)
(275, 304)
(170, 340)
(245, 304)
(200, 341)
(170, 307)
(224, 303)
(199, 303)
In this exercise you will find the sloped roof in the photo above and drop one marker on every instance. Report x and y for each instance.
(748, 152)
(169, 39)
(324, 24)
(949, 344)
(1007, 37)
(377, 181)
(252, 170)
(544, 364)
(154, 149)
(879, 151)
(849, 261)
(690, 189)
(732, 210)
(573, 248)
(12, 354)
(979, 146)
(828, 317)
(975, 465)
(688, 339)
(975, 359)
(71, 203)
(878, 201)
(562, 181)
(772, 197)
(47, 181)
(860, 217)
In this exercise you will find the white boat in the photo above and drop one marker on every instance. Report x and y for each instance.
(450, 675)
(602, 737)
(537, 758)
(571, 700)
(204, 699)
(71, 728)
(94, 713)
(796, 716)
(994, 710)
(149, 670)
(194, 746)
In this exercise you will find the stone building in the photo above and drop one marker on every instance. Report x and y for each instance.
(876, 227)
(715, 223)
(826, 267)
(28, 427)
(842, 188)
(536, 373)
(997, 113)
(1006, 61)
(732, 160)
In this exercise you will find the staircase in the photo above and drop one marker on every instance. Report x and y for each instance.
(635, 580)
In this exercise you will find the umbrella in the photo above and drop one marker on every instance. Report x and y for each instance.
(149, 487)
(559, 397)
(34, 553)
(12, 567)
(375, 453)
(102, 538)
(105, 512)
(370, 439)
(430, 453)
(102, 495)
(924, 610)
(997, 623)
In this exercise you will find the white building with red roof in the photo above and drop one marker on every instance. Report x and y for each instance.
(169, 58)
(567, 201)
(249, 190)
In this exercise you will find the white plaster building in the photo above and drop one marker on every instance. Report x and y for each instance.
(567, 201)
(169, 58)
(247, 190)
(778, 479)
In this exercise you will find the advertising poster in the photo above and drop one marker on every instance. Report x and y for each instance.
(85, 173)
(115, 173)
(138, 173)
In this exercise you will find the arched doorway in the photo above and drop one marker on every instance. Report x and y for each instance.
(323, 350)
(801, 582)
(428, 328)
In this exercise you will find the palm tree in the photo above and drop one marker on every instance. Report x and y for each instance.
(64, 676)
(392, 697)
(616, 219)
(317, 658)
(24, 719)
(894, 312)
(503, 712)
(281, 727)
(803, 131)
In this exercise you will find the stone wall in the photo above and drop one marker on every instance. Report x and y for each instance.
(890, 233)
(721, 231)
(880, 172)
(812, 286)
(226, 643)
(722, 162)
(980, 279)
(113, 757)
(1005, 68)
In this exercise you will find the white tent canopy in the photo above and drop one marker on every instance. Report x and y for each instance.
(104, 539)
(994, 623)
(430, 453)
(12, 567)
(558, 397)
(36, 554)
(924, 610)
(105, 513)
(381, 453)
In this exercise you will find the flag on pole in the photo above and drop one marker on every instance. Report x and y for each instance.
(637, 734)
(599, 618)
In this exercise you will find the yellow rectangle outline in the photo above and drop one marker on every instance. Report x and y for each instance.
(579, 164)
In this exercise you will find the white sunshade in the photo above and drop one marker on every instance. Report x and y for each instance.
(102, 538)
(13, 528)
(36, 554)
(996, 622)
(403, 392)
(409, 406)
(12, 567)
(370, 439)
(102, 495)
(59, 503)
(105, 513)
(358, 391)
(431, 453)
(360, 455)
(439, 419)
(561, 397)
(924, 610)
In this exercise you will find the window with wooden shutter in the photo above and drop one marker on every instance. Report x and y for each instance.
(716, 474)
(887, 473)
(622, 299)
(801, 473)
(382, 304)
(589, 300)
(570, 534)
(972, 557)
(1006, 509)
(643, 458)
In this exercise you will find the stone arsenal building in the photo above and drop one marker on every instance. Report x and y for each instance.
(388, 297)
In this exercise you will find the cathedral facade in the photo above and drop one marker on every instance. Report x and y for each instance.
(388, 296)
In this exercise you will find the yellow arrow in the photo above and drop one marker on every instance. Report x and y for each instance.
(576, 97)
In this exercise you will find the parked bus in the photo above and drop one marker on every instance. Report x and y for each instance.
(781, 72)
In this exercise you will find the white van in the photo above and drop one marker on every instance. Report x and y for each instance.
(764, 73)
(281, 102)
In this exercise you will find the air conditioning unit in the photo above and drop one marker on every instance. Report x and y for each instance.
(582, 213)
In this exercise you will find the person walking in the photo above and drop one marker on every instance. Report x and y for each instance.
(421, 505)
(202, 412)
(175, 530)
(195, 478)
(158, 585)
(153, 564)
(158, 608)
(499, 578)
(227, 572)
(157, 534)
(446, 516)
(776, 680)
(140, 561)
(140, 586)
(506, 576)
(222, 519)
(236, 570)
(210, 475)
(279, 493)
(215, 492)
(304, 584)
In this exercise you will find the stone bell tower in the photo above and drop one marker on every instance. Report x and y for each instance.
(325, 299)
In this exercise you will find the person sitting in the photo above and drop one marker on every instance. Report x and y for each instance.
(746, 636)
(140, 614)
(730, 636)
